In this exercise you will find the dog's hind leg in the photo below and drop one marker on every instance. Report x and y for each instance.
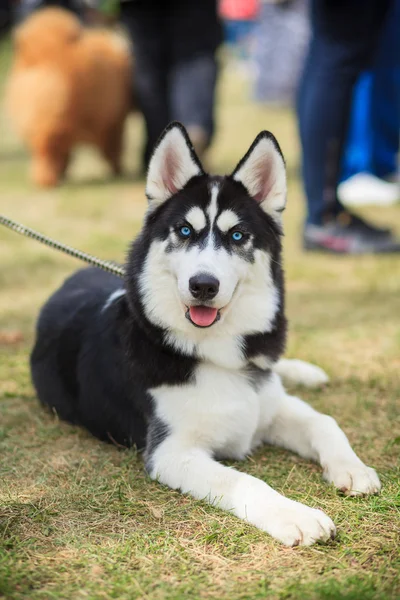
(50, 388)
(298, 372)
(296, 426)
(49, 164)
(111, 147)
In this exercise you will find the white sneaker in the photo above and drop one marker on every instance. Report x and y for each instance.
(366, 189)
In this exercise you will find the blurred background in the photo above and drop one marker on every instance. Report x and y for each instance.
(87, 87)
(84, 93)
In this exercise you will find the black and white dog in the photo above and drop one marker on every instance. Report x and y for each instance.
(183, 360)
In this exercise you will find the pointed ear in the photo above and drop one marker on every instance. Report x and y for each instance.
(262, 172)
(172, 165)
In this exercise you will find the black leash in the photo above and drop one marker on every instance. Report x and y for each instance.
(106, 265)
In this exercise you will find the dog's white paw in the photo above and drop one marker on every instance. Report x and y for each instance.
(295, 524)
(299, 372)
(353, 479)
(288, 521)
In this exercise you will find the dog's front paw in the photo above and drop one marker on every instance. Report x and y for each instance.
(353, 479)
(292, 523)
(295, 524)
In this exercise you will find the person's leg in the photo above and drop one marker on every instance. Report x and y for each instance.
(344, 35)
(385, 98)
(358, 147)
(6, 18)
(192, 91)
(145, 22)
(371, 147)
(194, 33)
(372, 143)
(386, 121)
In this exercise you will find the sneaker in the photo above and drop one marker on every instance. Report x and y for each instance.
(365, 189)
(348, 219)
(349, 234)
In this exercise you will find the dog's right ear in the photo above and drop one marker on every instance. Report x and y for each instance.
(173, 163)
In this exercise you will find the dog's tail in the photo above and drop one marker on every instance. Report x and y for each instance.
(298, 372)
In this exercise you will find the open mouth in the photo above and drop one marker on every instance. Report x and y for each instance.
(202, 316)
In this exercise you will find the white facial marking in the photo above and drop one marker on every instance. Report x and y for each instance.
(226, 220)
(247, 297)
(212, 208)
(215, 261)
(173, 236)
(112, 297)
(247, 245)
(196, 218)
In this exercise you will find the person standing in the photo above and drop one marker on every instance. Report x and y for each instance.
(345, 36)
(175, 44)
(370, 171)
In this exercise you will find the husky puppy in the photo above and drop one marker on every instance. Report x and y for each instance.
(183, 359)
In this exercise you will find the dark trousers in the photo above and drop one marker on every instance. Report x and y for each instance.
(345, 36)
(175, 69)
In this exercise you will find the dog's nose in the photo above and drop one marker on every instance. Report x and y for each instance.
(203, 286)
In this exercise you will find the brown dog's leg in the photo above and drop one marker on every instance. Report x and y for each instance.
(111, 147)
(49, 163)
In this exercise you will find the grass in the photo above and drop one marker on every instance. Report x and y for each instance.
(79, 519)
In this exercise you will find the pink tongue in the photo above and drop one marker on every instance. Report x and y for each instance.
(203, 316)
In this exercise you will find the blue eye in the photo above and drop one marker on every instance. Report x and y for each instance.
(185, 231)
(237, 236)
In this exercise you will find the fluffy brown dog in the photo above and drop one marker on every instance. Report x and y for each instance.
(68, 85)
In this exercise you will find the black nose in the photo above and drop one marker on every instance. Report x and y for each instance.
(203, 286)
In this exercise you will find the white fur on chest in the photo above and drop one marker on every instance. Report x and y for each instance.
(220, 411)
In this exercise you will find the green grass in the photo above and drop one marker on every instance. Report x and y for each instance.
(80, 519)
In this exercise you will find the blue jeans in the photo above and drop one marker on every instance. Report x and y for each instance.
(345, 35)
(373, 138)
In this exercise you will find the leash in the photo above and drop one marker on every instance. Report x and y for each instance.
(106, 265)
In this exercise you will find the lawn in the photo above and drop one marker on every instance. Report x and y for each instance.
(80, 519)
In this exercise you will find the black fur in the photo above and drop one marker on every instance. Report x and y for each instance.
(113, 359)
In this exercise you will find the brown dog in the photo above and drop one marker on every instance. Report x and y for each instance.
(67, 85)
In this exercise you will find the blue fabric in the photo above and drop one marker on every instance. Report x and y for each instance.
(373, 137)
(345, 36)
(236, 30)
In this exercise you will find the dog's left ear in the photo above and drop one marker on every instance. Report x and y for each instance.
(173, 163)
(262, 172)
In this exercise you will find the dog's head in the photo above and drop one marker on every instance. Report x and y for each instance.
(44, 34)
(209, 254)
